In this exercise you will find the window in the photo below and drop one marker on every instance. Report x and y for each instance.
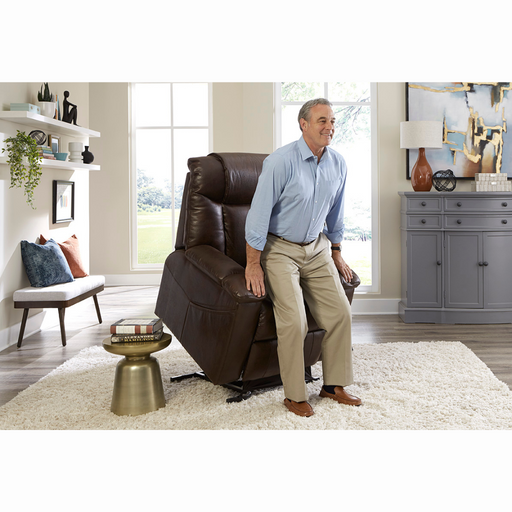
(354, 105)
(170, 124)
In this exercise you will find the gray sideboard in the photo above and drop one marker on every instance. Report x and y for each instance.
(456, 257)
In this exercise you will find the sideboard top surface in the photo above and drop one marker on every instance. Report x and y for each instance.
(455, 193)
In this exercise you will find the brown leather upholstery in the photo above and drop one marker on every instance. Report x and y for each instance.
(203, 299)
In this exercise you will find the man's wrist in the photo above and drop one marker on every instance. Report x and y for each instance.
(335, 247)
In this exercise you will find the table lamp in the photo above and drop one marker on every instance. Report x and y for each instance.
(421, 135)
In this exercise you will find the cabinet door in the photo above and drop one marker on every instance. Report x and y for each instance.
(424, 254)
(497, 276)
(463, 270)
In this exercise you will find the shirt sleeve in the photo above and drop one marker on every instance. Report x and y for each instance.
(270, 185)
(334, 222)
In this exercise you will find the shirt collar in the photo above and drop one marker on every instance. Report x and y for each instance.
(307, 153)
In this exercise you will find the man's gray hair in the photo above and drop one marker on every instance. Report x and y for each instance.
(305, 111)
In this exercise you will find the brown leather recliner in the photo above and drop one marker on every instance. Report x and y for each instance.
(203, 298)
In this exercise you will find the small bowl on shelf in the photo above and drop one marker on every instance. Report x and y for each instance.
(61, 156)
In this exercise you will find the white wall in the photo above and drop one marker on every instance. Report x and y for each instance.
(18, 221)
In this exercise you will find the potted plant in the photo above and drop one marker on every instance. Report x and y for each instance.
(46, 101)
(25, 164)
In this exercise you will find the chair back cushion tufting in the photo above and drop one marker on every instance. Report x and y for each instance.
(216, 199)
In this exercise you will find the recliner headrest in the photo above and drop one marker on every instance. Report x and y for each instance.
(241, 171)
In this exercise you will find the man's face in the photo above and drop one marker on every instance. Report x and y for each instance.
(319, 131)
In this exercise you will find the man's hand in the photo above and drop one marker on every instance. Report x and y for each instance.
(254, 276)
(342, 266)
(255, 279)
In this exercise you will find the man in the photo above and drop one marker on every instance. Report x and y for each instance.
(293, 232)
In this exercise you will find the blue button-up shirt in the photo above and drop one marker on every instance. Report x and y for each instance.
(297, 198)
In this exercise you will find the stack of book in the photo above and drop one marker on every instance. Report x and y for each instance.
(139, 329)
(46, 152)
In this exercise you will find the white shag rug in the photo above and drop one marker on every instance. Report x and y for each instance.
(404, 386)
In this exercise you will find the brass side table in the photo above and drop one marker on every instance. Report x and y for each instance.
(138, 385)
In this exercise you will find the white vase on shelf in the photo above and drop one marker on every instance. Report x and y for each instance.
(75, 151)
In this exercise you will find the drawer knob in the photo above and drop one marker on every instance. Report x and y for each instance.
(423, 221)
(459, 204)
(439, 262)
(480, 263)
(504, 221)
(486, 264)
(423, 203)
(504, 204)
(459, 221)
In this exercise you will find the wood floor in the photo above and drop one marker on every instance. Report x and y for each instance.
(42, 352)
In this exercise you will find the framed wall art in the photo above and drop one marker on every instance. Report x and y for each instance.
(474, 117)
(63, 201)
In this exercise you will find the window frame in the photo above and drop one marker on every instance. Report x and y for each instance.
(134, 265)
(374, 207)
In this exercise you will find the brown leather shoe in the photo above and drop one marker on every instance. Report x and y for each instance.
(341, 396)
(299, 408)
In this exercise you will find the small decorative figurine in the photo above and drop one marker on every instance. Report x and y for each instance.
(70, 112)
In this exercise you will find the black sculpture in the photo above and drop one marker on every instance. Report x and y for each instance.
(444, 181)
(70, 111)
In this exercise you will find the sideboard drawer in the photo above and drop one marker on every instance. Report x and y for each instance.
(430, 204)
(424, 221)
(478, 222)
(471, 204)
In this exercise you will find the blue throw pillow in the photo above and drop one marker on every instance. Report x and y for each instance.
(45, 264)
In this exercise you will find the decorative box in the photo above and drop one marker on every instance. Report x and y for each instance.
(491, 182)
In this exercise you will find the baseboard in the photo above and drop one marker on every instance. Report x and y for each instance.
(365, 306)
(9, 336)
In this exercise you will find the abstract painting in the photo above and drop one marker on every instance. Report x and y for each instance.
(474, 117)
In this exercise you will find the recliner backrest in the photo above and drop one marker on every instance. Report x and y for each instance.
(216, 199)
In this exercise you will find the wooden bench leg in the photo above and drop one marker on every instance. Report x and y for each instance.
(22, 328)
(62, 311)
(97, 308)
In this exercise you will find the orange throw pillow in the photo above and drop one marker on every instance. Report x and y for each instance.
(71, 251)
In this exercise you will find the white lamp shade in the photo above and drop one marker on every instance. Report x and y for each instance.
(421, 134)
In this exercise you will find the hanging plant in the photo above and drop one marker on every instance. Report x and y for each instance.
(22, 150)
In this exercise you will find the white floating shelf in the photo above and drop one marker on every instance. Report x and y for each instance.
(59, 164)
(29, 118)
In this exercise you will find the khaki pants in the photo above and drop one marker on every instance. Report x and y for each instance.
(294, 274)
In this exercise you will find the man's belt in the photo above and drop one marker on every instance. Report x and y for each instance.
(302, 244)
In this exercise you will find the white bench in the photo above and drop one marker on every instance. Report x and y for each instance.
(59, 296)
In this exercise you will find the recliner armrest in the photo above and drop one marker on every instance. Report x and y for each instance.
(223, 270)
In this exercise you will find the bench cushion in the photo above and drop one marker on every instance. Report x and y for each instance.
(59, 292)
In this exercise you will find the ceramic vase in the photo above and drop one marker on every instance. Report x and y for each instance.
(75, 151)
(88, 156)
